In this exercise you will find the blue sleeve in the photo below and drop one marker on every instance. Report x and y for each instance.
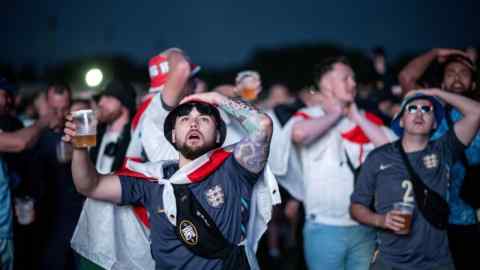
(134, 190)
(235, 170)
(473, 151)
(365, 184)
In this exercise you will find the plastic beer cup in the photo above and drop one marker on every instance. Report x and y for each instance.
(86, 124)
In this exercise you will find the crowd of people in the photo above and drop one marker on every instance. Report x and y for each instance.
(337, 175)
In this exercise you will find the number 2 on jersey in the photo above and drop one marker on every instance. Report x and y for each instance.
(408, 195)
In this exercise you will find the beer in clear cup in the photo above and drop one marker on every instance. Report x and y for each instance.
(86, 128)
(406, 211)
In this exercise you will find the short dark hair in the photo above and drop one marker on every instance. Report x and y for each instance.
(59, 87)
(326, 65)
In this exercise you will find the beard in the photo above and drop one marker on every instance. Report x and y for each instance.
(108, 117)
(192, 153)
(458, 88)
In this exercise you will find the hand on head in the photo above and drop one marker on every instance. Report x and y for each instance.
(426, 91)
(212, 98)
(444, 53)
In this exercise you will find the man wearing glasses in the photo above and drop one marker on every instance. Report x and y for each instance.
(459, 73)
(416, 171)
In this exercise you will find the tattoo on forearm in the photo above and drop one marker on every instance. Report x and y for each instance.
(247, 115)
(252, 151)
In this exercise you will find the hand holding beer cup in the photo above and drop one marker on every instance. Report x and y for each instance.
(248, 85)
(81, 129)
(399, 219)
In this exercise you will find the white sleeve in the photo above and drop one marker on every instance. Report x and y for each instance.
(152, 136)
(390, 134)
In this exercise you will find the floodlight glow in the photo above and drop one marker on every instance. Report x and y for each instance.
(94, 77)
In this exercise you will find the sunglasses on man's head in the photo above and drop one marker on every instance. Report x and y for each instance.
(413, 108)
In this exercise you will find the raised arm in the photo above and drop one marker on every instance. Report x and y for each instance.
(252, 151)
(374, 132)
(178, 76)
(86, 178)
(17, 141)
(411, 73)
(467, 127)
(309, 130)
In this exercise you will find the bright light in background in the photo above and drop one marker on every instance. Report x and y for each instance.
(94, 77)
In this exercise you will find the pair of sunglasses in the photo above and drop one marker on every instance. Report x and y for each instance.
(413, 108)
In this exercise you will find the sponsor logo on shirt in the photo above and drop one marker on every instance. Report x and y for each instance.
(188, 232)
(384, 166)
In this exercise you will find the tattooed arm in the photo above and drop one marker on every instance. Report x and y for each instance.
(252, 151)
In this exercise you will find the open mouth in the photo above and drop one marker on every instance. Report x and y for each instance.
(193, 136)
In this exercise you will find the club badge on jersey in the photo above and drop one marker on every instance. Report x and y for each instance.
(430, 161)
(215, 196)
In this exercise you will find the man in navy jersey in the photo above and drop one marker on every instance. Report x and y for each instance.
(198, 205)
(414, 170)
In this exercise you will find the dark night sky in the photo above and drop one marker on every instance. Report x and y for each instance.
(225, 33)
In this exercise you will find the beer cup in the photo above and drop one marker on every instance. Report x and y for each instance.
(249, 93)
(406, 211)
(86, 124)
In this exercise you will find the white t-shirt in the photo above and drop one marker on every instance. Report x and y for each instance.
(148, 142)
(105, 162)
(328, 178)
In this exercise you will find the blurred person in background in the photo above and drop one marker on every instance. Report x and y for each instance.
(378, 94)
(57, 203)
(334, 139)
(13, 140)
(409, 77)
(278, 94)
(116, 108)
